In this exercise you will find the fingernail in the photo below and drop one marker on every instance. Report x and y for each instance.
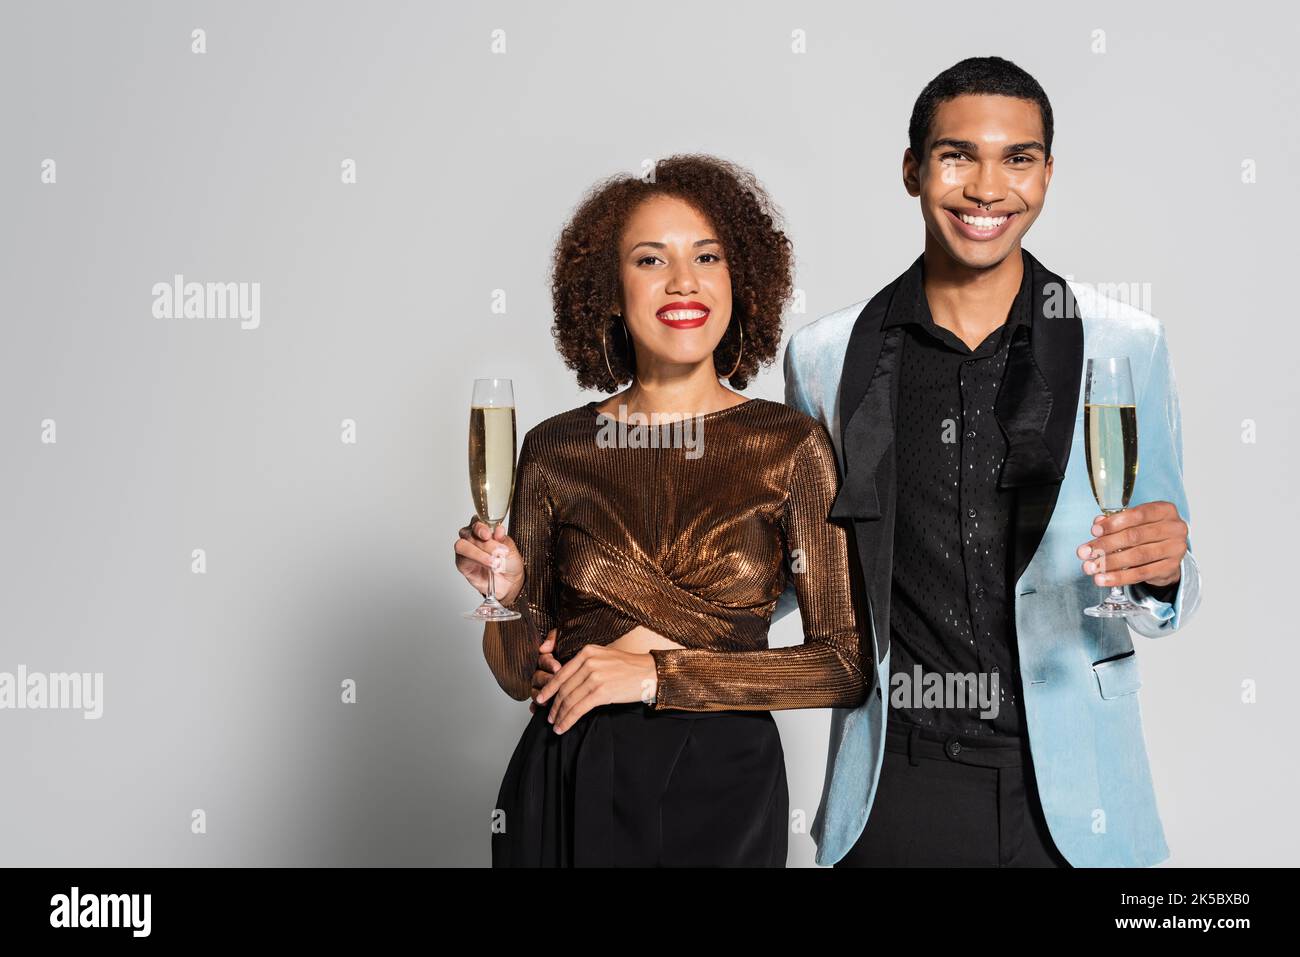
(496, 564)
(1089, 567)
(1082, 550)
(1096, 529)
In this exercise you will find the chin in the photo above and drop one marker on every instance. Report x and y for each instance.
(982, 259)
(979, 255)
(681, 355)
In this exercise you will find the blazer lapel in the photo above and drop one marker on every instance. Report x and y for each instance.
(868, 396)
(1036, 407)
(867, 400)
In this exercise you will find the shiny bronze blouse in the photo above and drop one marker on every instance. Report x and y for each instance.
(693, 536)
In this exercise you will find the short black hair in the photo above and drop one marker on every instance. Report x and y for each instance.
(989, 75)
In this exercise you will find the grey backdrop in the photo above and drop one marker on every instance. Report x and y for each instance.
(328, 561)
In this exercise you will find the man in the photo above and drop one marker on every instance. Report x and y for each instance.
(954, 397)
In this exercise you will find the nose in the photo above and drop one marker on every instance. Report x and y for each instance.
(682, 280)
(986, 186)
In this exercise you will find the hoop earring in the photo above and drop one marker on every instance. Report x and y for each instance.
(605, 351)
(741, 327)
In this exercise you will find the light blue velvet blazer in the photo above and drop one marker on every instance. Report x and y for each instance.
(1080, 674)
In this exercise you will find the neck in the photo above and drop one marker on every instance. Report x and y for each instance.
(673, 389)
(970, 302)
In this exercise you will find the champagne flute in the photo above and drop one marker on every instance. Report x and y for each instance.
(492, 472)
(1111, 446)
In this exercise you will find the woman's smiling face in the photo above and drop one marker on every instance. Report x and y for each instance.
(984, 177)
(675, 282)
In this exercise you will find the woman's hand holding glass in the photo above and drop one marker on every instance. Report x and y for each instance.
(480, 548)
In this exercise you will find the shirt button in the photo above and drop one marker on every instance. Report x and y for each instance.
(979, 591)
(970, 434)
(954, 747)
(970, 513)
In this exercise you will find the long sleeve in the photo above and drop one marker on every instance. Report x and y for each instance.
(796, 398)
(1160, 478)
(511, 647)
(826, 670)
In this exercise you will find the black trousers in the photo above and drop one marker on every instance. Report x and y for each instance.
(628, 786)
(954, 800)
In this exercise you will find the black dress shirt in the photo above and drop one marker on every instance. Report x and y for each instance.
(952, 605)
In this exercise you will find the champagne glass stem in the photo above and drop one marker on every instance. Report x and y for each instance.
(492, 577)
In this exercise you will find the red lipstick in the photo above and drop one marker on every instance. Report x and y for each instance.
(683, 314)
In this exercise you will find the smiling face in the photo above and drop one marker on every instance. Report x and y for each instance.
(983, 178)
(675, 281)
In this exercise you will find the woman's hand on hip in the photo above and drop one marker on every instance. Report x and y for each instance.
(547, 665)
(478, 547)
(597, 675)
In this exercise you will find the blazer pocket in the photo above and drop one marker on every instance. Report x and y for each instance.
(1117, 676)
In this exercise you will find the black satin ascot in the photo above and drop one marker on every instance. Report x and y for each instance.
(1036, 407)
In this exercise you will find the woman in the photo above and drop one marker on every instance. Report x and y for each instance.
(660, 565)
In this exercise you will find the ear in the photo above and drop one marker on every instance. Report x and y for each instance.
(1047, 171)
(911, 173)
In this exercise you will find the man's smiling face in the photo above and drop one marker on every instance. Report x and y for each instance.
(983, 178)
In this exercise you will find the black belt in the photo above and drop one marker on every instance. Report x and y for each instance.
(983, 750)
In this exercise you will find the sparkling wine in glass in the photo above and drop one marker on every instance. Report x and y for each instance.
(1111, 446)
(492, 472)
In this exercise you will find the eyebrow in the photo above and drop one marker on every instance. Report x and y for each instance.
(698, 242)
(970, 147)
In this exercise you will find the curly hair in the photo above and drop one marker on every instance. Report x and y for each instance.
(585, 282)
